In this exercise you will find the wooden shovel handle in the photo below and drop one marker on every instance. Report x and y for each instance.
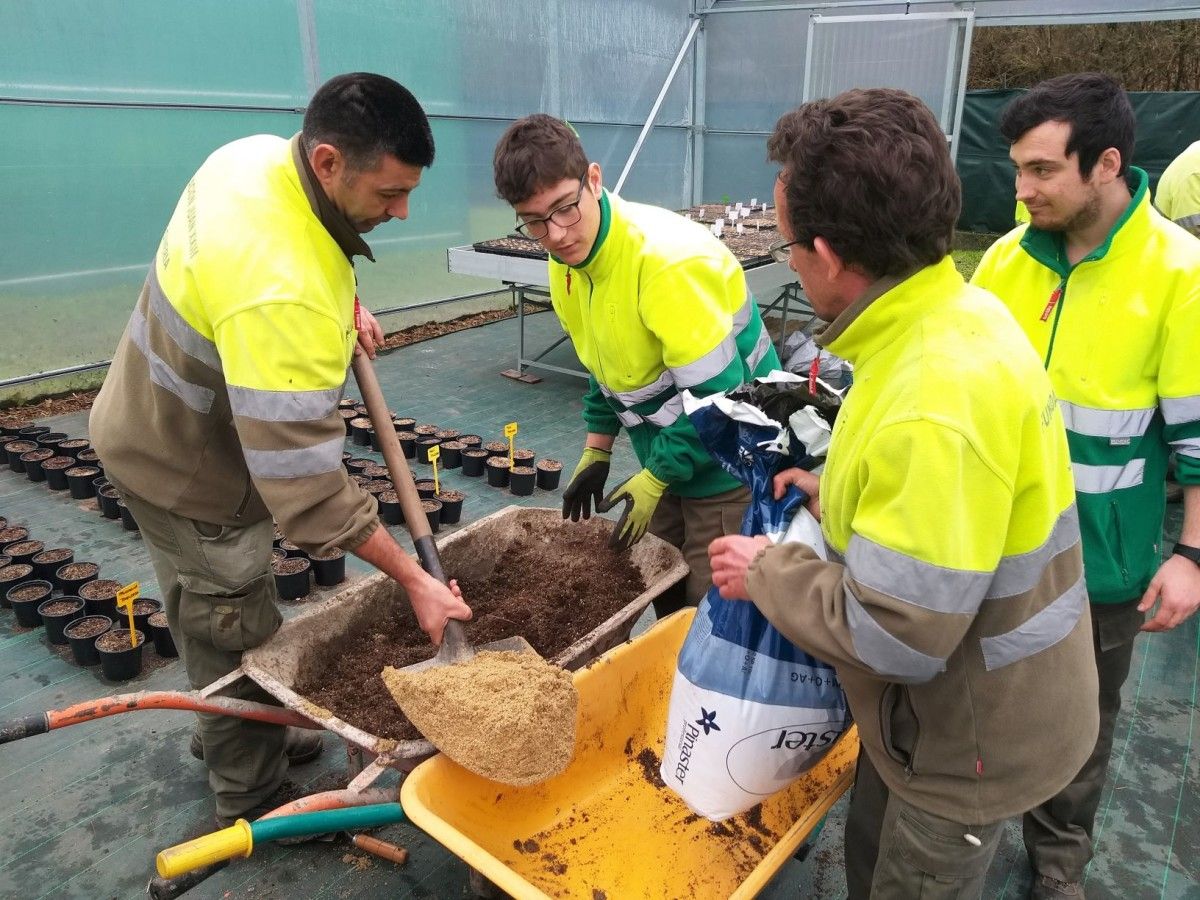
(393, 456)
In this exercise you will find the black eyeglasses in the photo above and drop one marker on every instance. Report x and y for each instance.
(781, 252)
(563, 216)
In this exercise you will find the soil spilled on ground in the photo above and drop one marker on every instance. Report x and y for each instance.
(553, 586)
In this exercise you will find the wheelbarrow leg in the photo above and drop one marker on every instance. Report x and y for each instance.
(354, 760)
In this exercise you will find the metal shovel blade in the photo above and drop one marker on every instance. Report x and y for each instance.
(455, 649)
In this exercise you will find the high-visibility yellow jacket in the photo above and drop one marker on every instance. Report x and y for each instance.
(1178, 194)
(1118, 333)
(659, 306)
(953, 607)
(221, 402)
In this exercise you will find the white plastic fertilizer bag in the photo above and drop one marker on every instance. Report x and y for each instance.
(749, 711)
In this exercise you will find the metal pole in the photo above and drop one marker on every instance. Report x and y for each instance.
(699, 130)
(687, 42)
(968, 36)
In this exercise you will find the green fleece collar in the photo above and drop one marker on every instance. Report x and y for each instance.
(1049, 247)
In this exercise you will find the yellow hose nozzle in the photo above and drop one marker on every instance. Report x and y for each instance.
(236, 840)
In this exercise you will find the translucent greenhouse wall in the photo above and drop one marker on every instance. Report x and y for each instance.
(108, 106)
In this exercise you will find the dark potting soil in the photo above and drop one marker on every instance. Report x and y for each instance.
(59, 462)
(22, 547)
(79, 570)
(554, 586)
(377, 486)
(108, 491)
(523, 454)
(425, 484)
(374, 471)
(549, 465)
(142, 607)
(290, 566)
(158, 620)
(335, 553)
(61, 607)
(117, 640)
(426, 429)
(446, 434)
(87, 629)
(499, 462)
(475, 453)
(522, 470)
(431, 505)
(496, 446)
(53, 556)
(29, 592)
(470, 440)
(13, 533)
(452, 445)
(450, 496)
(15, 572)
(100, 589)
(406, 435)
(82, 471)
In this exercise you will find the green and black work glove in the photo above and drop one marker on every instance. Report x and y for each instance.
(587, 484)
(640, 494)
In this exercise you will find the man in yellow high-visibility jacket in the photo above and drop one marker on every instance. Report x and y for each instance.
(1108, 293)
(220, 409)
(1178, 193)
(950, 591)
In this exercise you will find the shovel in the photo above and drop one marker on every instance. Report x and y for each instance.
(455, 646)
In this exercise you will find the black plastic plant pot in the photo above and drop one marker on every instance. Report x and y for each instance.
(425, 489)
(447, 434)
(58, 614)
(33, 463)
(10, 429)
(72, 576)
(423, 446)
(128, 522)
(451, 454)
(120, 657)
(348, 416)
(14, 450)
(356, 465)
(81, 635)
(89, 457)
(521, 480)
(549, 471)
(278, 553)
(46, 563)
(452, 503)
(23, 551)
(292, 550)
(56, 472)
(408, 443)
(404, 423)
(497, 471)
(329, 569)
(143, 609)
(11, 576)
(433, 512)
(291, 577)
(470, 440)
(360, 431)
(25, 600)
(72, 447)
(31, 432)
(160, 634)
(52, 438)
(473, 462)
(110, 503)
(374, 439)
(100, 596)
(389, 508)
(496, 448)
(10, 534)
(523, 457)
(426, 430)
(80, 481)
(377, 486)
(375, 472)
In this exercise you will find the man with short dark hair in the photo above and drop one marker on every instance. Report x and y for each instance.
(1108, 293)
(655, 305)
(951, 601)
(220, 408)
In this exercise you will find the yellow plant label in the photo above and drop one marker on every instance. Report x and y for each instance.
(435, 453)
(126, 596)
(510, 429)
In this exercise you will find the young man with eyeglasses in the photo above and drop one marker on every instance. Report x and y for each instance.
(951, 601)
(655, 305)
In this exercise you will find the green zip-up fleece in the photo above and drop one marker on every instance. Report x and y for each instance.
(1119, 334)
(660, 306)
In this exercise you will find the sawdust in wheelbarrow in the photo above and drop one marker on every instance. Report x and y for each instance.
(506, 716)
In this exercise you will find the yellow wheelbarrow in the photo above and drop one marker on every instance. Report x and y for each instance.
(608, 827)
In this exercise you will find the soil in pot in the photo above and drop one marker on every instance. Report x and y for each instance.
(81, 635)
(556, 585)
(523, 457)
(291, 577)
(356, 465)
(521, 480)
(23, 551)
(426, 430)
(32, 431)
(128, 522)
(549, 471)
(433, 512)
(13, 533)
(160, 634)
(33, 463)
(473, 462)
(109, 502)
(89, 457)
(329, 568)
(377, 486)
(446, 434)
(14, 450)
(408, 443)
(143, 609)
(347, 403)
(425, 489)
(360, 431)
(346, 457)
(451, 454)
(57, 615)
(452, 502)
(423, 446)
(11, 576)
(375, 471)
(497, 448)
(292, 550)
(56, 472)
(470, 440)
(497, 471)
(278, 553)
(80, 481)
(73, 447)
(52, 438)
(361, 480)
(120, 657)
(390, 510)
(48, 562)
(404, 423)
(348, 415)
(26, 598)
(101, 596)
(72, 577)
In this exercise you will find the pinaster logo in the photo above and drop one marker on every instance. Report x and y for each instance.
(708, 720)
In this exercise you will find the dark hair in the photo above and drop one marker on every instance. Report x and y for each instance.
(870, 172)
(365, 116)
(535, 153)
(1092, 103)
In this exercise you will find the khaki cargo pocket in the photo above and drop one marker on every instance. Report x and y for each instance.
(938, 856)
(230, 620)
(731, 518)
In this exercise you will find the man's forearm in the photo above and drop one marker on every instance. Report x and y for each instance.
(598, 441)
(1189, 534)
(382, 551)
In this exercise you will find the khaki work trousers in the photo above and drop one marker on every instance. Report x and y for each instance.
(1058, 834)
(691, 524)
(895, 851)
(220, 600)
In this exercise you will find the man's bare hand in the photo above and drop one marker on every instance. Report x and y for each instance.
(731, 557)
(1176, 590)
(806, 481)
(370, 334)
(435, 603)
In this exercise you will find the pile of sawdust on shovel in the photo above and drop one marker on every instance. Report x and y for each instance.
(506, 716)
